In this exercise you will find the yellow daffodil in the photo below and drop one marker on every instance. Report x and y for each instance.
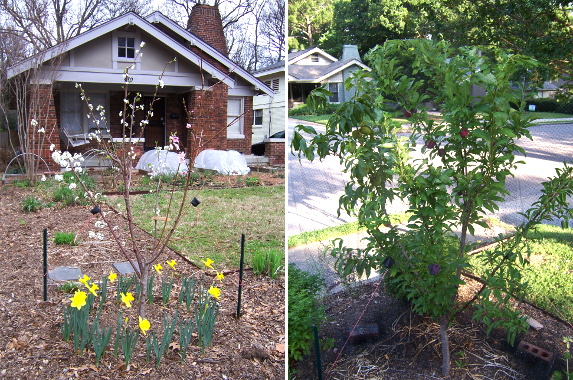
(79, 299)
(92, 289)
(112, 276)
(215, 292)
(208, 263)
(220, 276)
(171, 263)
(158, 268)
(144, 325)
(126, 298)
(84, 280)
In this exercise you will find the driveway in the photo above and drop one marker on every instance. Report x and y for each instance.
(314, 188)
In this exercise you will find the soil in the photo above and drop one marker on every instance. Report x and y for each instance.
(31, 344)
(408, 346)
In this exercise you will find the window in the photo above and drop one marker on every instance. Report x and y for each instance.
(273, 84)
(333, 88)
(71, 118)
(258, 117)
(74, 113)
(126, 47)
(234, 117)
(314, 58)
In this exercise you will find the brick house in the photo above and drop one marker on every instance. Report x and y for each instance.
(202, 86)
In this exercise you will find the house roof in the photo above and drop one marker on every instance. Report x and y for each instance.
(319, 73)
(222, 58)
(301, 54)
(273, 68)
(146, 24)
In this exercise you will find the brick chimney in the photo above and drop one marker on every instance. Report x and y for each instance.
(205, 23)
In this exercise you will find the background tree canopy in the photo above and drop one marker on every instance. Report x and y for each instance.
(542, 29)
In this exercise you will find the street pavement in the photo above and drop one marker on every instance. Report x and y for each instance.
(314, 189)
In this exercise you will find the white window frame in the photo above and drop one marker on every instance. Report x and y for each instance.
(236, 130)
(262, 117)
(337, 92)
(136, 42)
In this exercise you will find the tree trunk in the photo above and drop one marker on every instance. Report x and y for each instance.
(444, 321)
(143, 284)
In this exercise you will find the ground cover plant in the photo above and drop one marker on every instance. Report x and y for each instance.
(451, 181)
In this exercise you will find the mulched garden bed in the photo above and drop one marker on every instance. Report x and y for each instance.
(31, 345)
(409, 347)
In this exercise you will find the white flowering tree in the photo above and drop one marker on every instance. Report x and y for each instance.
(122, 154)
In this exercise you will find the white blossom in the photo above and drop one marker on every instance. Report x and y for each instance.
(72, 186)
(34, 122)
(52, 147)
(42, 130)
(59, 177)
(161, 84)
(142, 44)
(43, 179)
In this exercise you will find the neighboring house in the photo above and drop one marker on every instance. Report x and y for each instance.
(269, 111)
(550, 88)
(310, 68)
(202, 87)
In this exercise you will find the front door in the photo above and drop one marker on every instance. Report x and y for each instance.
(155, 130)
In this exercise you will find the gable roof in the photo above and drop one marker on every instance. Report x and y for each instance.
(318, 73)
(204, 46)
(132, 18)
(273, 68)
(301, 54)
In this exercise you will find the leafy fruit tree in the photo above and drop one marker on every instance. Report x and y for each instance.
(450, 172)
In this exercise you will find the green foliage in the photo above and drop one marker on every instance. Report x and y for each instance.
(546, 269)
(187, 292)
(206, 313)
(166, 287)
(160, 347)
(100, 340)
(69, 287)
(543, 104)
(268, 262)
(300, 110)
(460, 176)
(32, 204)
(307, 20)
(253, 181)
(304, 311)
(186, 329)
(61, 238)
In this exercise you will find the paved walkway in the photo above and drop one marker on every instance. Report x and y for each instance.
(314, 190)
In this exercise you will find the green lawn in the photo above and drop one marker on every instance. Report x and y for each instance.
(323, 119)
(214, 228)
(549, 115)
(550, 270)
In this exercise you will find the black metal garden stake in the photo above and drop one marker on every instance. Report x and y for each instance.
(241, 275)
(45, 264)
(317, 349)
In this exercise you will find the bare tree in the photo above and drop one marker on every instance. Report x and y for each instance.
(273, 27)
(28, 28)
